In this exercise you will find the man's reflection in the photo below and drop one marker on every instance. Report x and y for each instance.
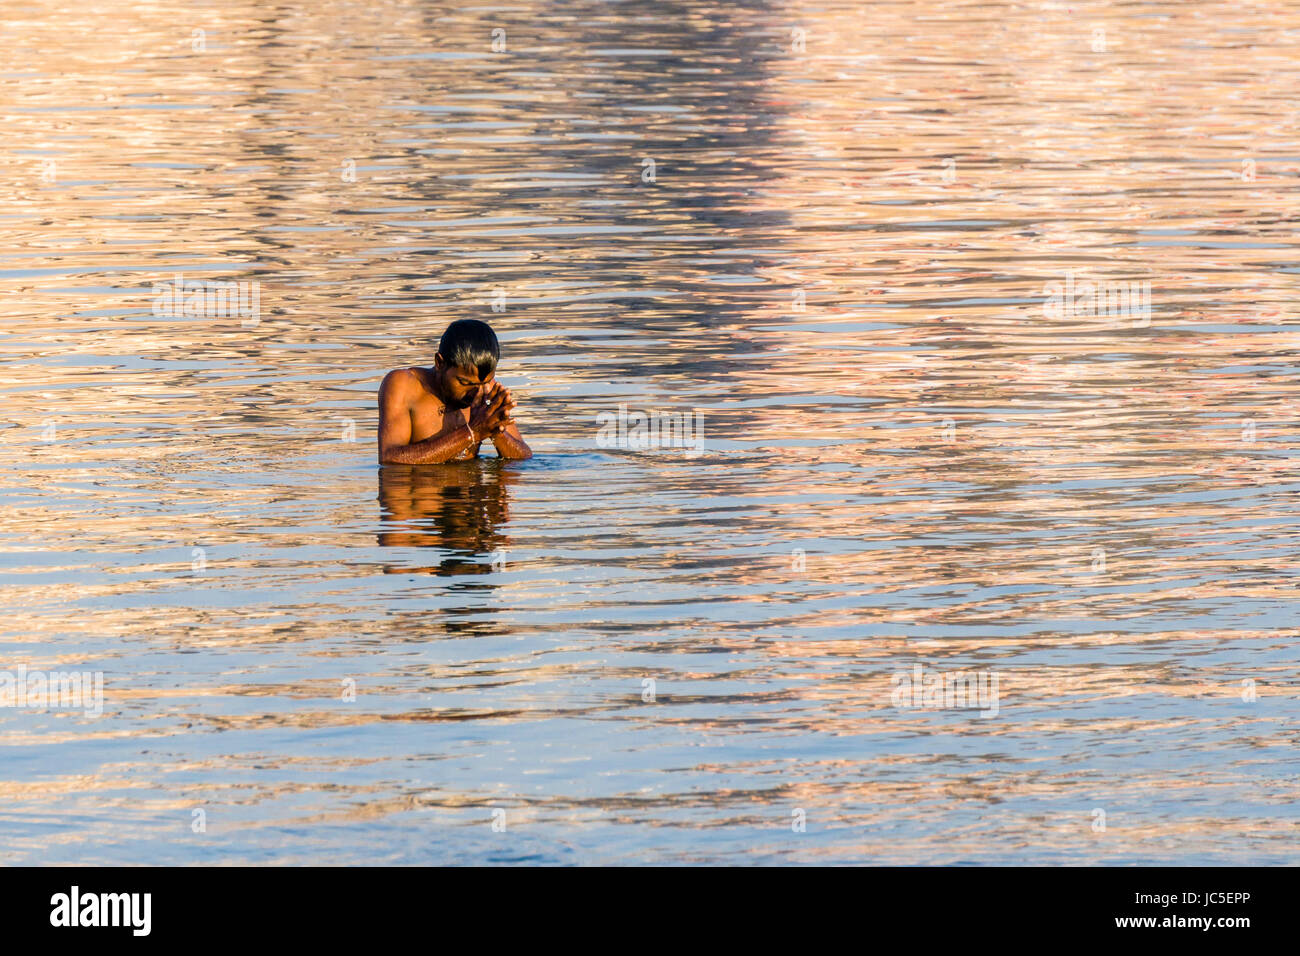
(457, 507)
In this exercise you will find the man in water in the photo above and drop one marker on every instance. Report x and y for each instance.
(431, 415)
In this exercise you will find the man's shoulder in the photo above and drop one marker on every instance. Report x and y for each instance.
(406, 383)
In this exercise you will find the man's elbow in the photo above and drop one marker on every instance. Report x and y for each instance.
(517, 452)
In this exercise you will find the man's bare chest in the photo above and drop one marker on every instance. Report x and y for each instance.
(429, 418)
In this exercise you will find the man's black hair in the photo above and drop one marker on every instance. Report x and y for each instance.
(469, 343)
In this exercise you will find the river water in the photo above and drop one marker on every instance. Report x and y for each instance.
(829, 233)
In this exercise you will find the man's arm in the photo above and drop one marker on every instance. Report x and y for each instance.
(506, 438)
(395, 448)
(510, 444)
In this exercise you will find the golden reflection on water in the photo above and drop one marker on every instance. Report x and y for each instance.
(842, 260)
(459, 508)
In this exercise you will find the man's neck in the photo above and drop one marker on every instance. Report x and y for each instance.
(433, 382)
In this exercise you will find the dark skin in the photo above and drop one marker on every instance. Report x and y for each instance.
(443, 413)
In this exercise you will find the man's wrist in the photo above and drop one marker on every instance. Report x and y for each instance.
(473, 439)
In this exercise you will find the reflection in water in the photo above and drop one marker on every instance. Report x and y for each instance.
(459, 507)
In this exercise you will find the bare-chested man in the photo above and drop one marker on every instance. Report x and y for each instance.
(443, 413)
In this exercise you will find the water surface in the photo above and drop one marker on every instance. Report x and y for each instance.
(840, 261)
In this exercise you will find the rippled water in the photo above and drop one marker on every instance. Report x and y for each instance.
(839, 257)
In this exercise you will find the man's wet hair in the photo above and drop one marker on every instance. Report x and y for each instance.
(469, 343)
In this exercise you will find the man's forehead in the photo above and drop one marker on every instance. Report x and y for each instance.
(471, 373)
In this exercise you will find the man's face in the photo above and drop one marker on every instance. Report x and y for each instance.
(462, 387)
